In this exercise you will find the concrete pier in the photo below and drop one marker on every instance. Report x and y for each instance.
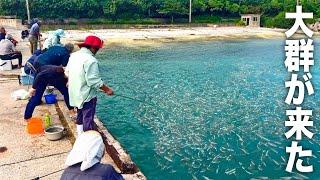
(24, 156)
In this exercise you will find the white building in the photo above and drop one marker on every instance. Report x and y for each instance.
(252, 20)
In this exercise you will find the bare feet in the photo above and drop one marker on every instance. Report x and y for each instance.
(72, 114)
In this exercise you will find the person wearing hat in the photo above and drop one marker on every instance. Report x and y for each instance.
(34, 35)
(83, 161)
(54, 39)
(8, 51)
(85, 82)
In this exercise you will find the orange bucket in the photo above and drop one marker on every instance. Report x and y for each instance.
(35, 126)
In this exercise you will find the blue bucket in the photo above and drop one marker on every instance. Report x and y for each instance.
(50, 98)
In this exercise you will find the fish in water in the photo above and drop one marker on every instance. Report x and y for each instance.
(229, 172)
(167, 158)
(240, 138)
(206, 178)
(250, 173)
(244, 151)
(194, 177)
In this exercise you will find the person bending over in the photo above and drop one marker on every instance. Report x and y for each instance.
(56, 55)
(53, 75)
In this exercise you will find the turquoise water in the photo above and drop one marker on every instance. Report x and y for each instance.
(215, 109)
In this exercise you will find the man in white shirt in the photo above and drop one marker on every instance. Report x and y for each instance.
(85, 82)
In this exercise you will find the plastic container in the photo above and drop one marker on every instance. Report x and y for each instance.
(47, 120)
(35, 126)
(5, 65)
(26, 79)
(50, 98)
(54, 133)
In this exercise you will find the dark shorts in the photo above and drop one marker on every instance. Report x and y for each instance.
(85, 115)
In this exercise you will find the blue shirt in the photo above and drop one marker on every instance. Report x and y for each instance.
(35, 30)
(31, 60)
(96, 172)
(55, 55)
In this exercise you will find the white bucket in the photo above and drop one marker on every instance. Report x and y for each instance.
(5, 65)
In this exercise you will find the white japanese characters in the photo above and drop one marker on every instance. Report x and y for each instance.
(299, 55)
(299, 16)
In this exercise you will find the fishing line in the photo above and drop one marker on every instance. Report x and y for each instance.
(134, 99)
(54, 172)
(143, 102)
(31, 159)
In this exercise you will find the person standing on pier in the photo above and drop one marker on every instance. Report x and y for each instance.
(34, 36)
(85, 82)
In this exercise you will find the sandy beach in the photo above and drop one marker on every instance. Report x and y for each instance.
(156, 36)
(149, 37)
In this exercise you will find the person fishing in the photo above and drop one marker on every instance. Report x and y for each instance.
(54, 39)
(84, 159)
(85, 82)
(53, 75)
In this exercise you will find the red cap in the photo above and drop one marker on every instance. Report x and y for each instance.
(92, 41)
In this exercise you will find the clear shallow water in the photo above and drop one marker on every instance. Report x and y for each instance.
(217, 109)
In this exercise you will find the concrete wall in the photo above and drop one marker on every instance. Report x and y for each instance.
(16, 23)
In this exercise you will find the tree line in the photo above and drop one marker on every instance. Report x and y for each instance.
(114, 10)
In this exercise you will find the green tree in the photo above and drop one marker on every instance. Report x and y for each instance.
(233, 8)
(273, 8)
(244, 9)
(110, 8)
(173, 8)
(216, 5)
(199, 6)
